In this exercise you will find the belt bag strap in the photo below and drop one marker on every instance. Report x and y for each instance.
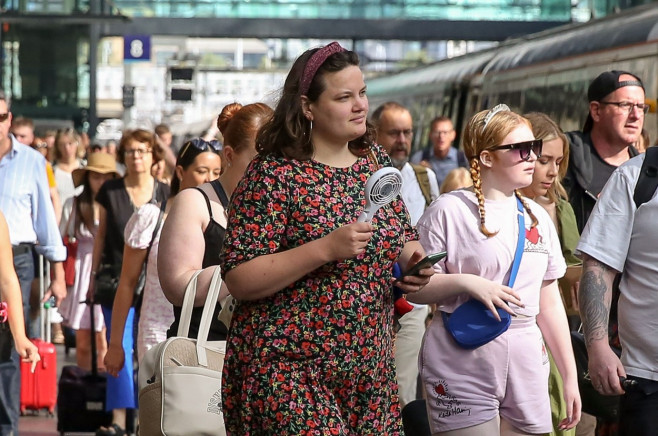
(519, 245)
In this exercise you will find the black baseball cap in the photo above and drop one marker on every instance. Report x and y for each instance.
(605, 84)
(608, 82)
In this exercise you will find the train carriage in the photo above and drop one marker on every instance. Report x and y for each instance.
(548, 72)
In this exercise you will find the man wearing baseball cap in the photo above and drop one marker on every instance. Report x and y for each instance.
(614, 124)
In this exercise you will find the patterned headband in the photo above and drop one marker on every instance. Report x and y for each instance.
(492, 112)
(315, 62)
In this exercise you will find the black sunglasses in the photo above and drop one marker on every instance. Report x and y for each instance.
(3, 117)
(201, 145)
(524, 148)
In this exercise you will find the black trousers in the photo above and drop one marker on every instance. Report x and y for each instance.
(639, 409)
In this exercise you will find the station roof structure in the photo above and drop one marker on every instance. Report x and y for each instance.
(480, 20)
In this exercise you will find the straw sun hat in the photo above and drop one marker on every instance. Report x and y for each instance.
(102, 163)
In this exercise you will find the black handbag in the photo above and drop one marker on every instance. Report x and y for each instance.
(106, 283)
(107, 278)
(594, 403)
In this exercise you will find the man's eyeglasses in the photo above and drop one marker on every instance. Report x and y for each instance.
(396, 133)
(136, 152)
(524, 148)
(3, 117)
(441, 132)
(627, 106)
(201, 145)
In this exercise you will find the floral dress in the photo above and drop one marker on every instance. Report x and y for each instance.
(317, 356)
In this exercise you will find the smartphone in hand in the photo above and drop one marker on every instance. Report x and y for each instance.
(426, 262)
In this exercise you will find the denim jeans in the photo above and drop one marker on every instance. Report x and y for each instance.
(10, 373)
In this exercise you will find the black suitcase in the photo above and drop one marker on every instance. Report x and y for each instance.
(81, 394)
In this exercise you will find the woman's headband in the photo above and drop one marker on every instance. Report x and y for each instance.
(498, 108)
(315, 62)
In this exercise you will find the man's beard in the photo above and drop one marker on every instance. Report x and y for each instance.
(399, 163)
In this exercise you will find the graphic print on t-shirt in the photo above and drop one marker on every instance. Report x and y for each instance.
(534, 242)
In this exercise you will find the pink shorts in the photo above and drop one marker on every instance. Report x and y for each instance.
(506, 377)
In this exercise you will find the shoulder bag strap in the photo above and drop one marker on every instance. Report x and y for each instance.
(139, 295)
(206, 317)
(188, 305)
(647, 181)
(519, 245)
(219, 190)
(70, 232)
(154, 194)
(423, 182)
(158, 223)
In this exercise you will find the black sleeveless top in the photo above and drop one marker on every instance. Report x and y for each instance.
(213, 237)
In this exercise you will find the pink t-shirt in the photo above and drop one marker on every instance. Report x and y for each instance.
(452, 223)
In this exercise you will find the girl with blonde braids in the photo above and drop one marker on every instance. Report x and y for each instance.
(499, 388)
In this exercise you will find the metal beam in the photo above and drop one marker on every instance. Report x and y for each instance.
(12, 17)
(412, 30)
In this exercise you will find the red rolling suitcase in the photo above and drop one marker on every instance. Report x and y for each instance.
(39, 389)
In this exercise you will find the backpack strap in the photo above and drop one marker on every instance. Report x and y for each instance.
(423, 182)
(647, 182)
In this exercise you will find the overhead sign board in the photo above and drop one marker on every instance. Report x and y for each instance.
(137, 48)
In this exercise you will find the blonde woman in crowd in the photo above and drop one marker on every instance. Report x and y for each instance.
(67, 159)
(456, 179)
(547, 190)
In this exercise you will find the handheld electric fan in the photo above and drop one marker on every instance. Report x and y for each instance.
(381, 188)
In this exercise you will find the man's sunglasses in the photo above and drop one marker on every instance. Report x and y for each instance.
(201, 145)
(3, 117)
(524, 148)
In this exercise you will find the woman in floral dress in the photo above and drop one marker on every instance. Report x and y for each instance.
(310, 345)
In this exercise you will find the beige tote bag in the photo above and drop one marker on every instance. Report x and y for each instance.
(180, 379)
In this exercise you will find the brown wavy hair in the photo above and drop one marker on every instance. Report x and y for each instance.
(476, 139)
(287, 134)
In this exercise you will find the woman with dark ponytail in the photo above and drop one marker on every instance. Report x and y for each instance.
(198, 162)
(499, 388)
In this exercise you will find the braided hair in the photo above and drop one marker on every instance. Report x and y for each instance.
(485, 130)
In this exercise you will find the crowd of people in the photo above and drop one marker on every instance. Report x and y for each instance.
(317, 342)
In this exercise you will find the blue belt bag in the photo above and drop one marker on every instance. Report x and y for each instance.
(472, 324)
